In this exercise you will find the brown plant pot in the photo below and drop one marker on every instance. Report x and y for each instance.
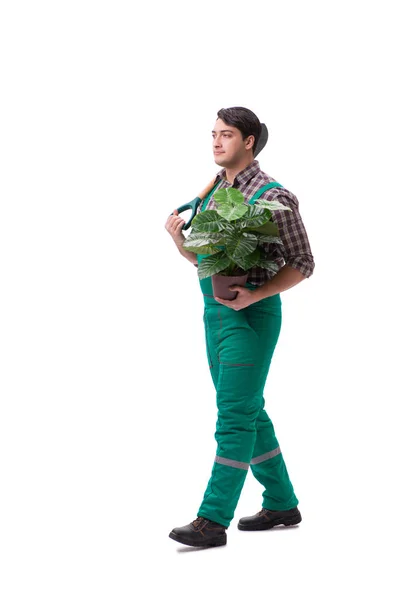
(222, 283)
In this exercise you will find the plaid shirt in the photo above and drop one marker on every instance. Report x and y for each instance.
(295, 251)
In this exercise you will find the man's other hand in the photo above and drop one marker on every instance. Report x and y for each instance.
(244, 298)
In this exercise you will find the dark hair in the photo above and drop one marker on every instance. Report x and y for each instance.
(244, 120)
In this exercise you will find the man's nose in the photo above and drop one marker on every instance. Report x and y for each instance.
(217, 142)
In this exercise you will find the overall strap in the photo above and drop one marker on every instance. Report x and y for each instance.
(209, 195)
(268, 186)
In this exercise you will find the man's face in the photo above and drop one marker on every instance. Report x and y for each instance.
(228, 146)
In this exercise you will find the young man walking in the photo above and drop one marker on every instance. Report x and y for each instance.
(241, 336)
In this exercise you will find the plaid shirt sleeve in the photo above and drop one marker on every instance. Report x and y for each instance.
(296, 250)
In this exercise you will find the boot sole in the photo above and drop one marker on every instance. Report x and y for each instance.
(219, 541)
(262, 526)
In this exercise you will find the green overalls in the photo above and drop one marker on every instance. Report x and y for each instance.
(240, 345)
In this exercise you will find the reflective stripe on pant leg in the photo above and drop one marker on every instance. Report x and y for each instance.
(231, 463)
(266, 456)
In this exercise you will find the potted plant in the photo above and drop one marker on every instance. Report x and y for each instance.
(233, 236)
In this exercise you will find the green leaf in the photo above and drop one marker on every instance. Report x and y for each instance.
(249, 261)
(203, 249)
(256, 217)
(230, 212)
(268, 265)
(229, 195)
(200, 238)
(268, 239)
(212, 265)
(208, 221)
(272, 205)
(268, 228)
(230, 203)
(240, 244)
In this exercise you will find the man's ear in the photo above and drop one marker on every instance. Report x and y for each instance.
(250, 142)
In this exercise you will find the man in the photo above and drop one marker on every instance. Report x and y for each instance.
(241, 336)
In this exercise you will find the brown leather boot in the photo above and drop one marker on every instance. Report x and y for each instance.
(200, 532)
(266, 519)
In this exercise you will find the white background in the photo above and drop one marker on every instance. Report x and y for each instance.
(107, 406)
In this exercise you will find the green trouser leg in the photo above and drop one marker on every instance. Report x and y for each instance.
(240, 345)
(267, 464)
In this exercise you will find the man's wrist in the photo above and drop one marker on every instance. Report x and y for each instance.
(179, 242)
(179, 245)
(190, 256)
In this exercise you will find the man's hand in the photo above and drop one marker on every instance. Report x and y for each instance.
(174, 226)
(244, 298)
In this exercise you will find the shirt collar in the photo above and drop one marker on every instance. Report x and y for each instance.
(243, 176)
